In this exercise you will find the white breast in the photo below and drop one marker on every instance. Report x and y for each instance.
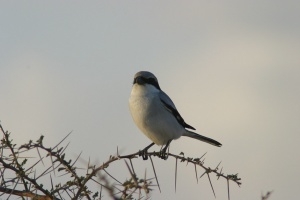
(150, 115)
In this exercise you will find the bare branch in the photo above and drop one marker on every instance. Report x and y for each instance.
(27, 181)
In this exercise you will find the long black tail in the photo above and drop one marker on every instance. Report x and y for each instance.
(202, 138)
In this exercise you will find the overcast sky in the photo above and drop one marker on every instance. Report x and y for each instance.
(232, 69)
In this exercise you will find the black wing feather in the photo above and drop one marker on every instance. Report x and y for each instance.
(177, 116)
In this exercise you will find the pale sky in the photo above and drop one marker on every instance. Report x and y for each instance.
(232, 69)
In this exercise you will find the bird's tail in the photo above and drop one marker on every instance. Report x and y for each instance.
(202, 138)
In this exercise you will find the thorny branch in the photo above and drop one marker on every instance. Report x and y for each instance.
(26, 182)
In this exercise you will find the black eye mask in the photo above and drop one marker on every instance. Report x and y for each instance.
(142, 80)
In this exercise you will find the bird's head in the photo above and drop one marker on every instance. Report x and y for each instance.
(144, 77)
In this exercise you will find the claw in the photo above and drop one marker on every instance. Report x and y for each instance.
(144, 152)
(144, 155)
(162, 154)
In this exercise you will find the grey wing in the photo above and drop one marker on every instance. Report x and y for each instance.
(168, 103)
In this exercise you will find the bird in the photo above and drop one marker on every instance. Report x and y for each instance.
(155, 114)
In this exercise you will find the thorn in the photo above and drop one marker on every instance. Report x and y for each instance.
(220, 173)
(228, 189)
(211, 185)
(176, 174)
(77, 159)
(101, 192)
(52, 164)
(196, 173)
(62, 140)
(155, 174)
(218, 165)
(88, 165)
(51, 182)
(132, 166)
(203, 155)
(40, 155)
(145, 175)
(112, 176)
(265, 197)
(202, 175)
(131, 173)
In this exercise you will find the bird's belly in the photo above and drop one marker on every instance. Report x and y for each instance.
(157, 124)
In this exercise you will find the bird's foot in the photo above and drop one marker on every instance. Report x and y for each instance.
(144, 154)
(163, 154)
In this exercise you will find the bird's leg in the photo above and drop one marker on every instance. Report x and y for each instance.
(143, 152)
(162, 153)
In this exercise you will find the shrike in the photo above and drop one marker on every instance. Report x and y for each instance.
(156, 116)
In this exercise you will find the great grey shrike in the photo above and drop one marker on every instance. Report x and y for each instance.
(156, 116)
